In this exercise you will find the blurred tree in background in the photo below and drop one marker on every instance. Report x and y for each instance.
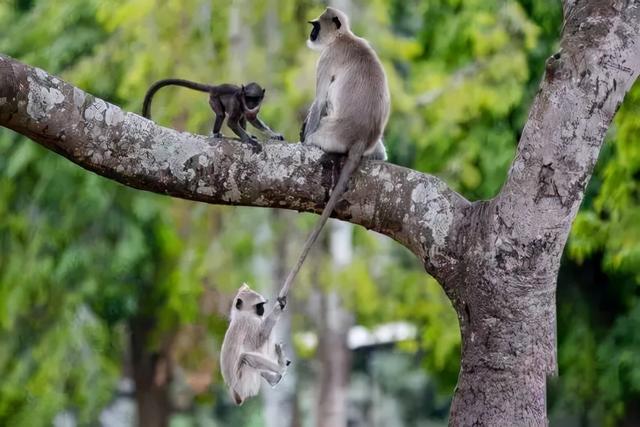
(100, 282)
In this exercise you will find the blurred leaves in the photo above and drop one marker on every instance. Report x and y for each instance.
(607, 232)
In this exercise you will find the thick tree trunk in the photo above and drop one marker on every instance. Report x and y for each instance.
(497, 260)
(507, 323)
(504, 287)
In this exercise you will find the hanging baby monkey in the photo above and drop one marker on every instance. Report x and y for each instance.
(348, 116)
(248, 351)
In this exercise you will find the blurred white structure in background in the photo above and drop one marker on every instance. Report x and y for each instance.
(359, 336)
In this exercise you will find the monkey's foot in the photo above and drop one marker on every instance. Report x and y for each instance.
(254, 144)
(272, 378)
(218, 135)
(277, 137)
(277, 380)
(236, 398)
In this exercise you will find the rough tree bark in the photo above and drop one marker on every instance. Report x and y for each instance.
(497, 260)
(503, 286)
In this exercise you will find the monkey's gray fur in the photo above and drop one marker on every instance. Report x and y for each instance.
(248, 352)
(352, 95)
(350, 110)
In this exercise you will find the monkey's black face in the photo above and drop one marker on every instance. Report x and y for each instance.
(260, 309)
(315, 31)
(252, 96)
(252, 102)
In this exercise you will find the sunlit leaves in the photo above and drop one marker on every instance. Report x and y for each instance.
(76, 251)
(467, 85)
(610, 225)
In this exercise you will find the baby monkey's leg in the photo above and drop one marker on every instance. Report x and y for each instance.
(259, 362)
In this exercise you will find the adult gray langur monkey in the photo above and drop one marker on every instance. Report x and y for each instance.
(350, 110)
(351, 85)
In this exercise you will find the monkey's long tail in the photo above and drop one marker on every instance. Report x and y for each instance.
(353, 160)
(146, 106)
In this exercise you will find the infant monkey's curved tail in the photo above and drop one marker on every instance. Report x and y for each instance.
(146, 106)
(353, 160)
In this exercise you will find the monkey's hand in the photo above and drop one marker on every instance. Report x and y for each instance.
(253, 142)
(282, 301)
(277, 137)
(303, 130)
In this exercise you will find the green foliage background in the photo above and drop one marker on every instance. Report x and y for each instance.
(82, 257)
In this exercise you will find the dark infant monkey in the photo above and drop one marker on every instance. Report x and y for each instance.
(238, 103)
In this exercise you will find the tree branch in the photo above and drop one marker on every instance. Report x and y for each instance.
(417, 210)
(584, 84)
